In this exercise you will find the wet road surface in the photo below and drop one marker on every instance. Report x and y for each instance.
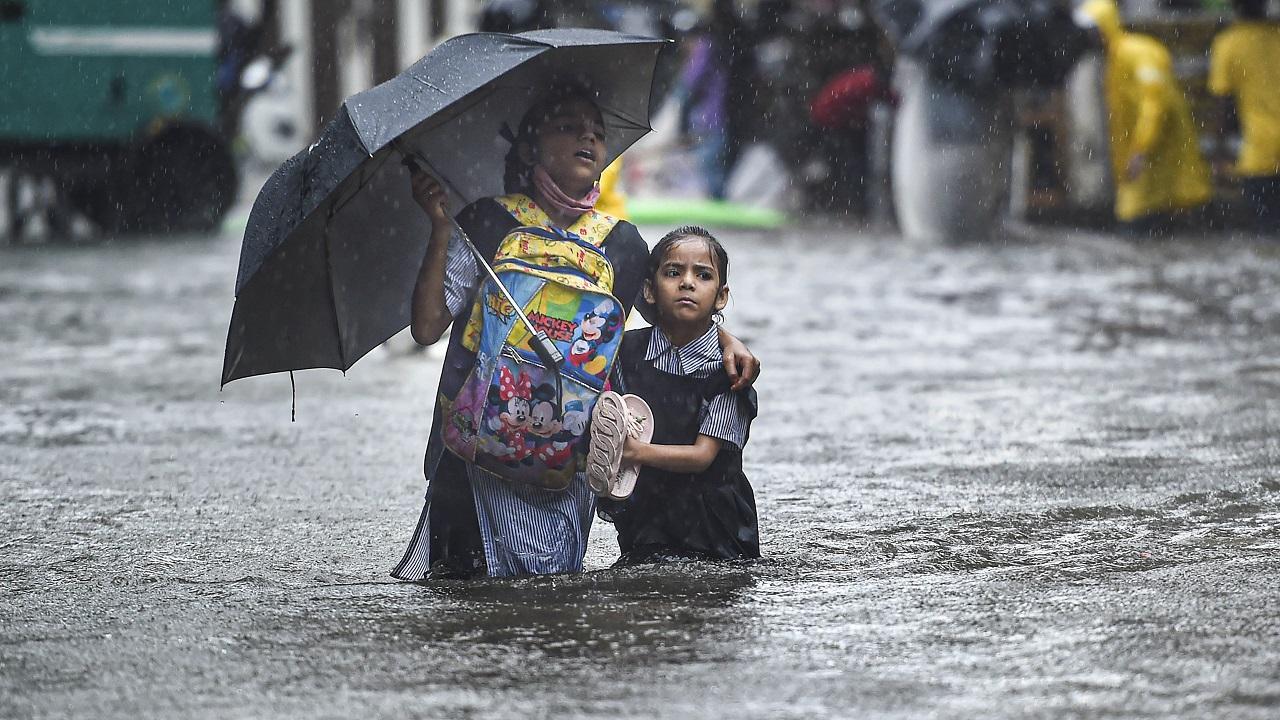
(1034, 477)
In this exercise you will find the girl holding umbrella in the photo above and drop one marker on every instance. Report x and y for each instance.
(473, 522)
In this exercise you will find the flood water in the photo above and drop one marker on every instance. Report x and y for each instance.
(1033, 477)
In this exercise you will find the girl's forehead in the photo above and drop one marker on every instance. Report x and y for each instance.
(690, 250)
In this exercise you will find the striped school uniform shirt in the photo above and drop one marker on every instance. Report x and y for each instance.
(723, 416)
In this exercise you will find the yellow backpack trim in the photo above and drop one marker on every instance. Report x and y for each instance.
(529, 253)
(592, 226)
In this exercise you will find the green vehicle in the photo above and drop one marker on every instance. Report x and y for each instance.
(117, 101)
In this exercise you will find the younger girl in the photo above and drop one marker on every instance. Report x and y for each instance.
(691, 500)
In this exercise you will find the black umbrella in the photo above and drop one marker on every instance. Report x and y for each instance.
(334, 240)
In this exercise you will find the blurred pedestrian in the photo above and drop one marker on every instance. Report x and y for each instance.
(842, 107)
(1159, 172)
(719, 84)
(785, 73)
(851, 76)
(734, 39)
(1244, 70)
(703, 90)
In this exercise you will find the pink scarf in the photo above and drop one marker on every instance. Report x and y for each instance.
(561, 203)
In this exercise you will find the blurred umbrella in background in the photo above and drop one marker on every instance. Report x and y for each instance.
(987, 46)
(334, 241)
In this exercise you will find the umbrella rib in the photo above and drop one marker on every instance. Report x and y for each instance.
(431, 85)
(631, 123)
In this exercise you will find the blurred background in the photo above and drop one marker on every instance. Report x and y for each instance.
(142, 116)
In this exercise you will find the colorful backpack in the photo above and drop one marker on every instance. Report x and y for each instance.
(512, 416)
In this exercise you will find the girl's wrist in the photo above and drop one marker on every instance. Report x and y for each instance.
(635, 451)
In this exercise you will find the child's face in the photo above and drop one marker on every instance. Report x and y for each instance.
(687, 289)
(571, 146)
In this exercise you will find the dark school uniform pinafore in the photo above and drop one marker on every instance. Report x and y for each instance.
(699, 516)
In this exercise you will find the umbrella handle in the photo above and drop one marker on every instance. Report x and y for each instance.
(542, 345)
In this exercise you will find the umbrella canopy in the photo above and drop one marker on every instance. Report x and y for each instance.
(333, 243)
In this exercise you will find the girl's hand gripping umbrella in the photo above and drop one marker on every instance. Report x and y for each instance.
(437, 208)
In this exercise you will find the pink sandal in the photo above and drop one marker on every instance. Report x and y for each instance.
(613, 419)
(640, 426)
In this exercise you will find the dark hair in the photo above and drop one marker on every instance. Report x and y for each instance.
(680, 234)
(1250, 9)
(517, 177)
(659, 252)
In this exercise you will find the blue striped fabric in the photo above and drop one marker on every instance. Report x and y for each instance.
(461, 275)
(723, 416)
(528, 530)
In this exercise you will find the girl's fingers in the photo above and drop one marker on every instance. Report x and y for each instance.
(421, 180)
(749, 374)
(742, 371)
(427, 190)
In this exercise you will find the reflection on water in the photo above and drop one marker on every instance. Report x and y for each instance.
(661, 614)
(651, 614)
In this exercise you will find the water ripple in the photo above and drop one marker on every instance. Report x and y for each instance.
(1071, 542)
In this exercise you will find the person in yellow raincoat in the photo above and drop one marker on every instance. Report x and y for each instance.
(1244, 67)
(1155, 153)
(612, 200)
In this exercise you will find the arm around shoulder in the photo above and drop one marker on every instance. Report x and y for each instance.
(742, 366)
(629, 253)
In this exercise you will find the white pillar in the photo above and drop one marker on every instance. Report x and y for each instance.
(1088, 141)
(295, 31)
(411, 23)
(950, 158)
(355, 54)
(462, 17)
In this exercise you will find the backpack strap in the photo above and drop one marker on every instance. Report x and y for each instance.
(486, 223)
(630, 356)
(592, 225)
